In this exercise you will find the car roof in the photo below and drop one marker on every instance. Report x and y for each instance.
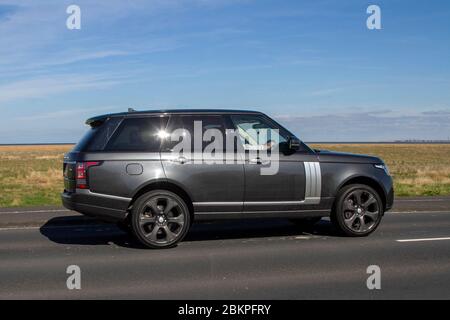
(168, 112)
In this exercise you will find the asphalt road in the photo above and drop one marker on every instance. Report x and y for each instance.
(259, 259)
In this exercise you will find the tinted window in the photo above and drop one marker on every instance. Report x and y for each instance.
(138, 134)
(97, 137)
(262, 133)
(187, 123)
(257, 133)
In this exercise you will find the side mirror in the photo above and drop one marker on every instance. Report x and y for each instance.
(294, 143)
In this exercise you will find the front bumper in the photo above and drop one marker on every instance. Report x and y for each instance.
(389, 187)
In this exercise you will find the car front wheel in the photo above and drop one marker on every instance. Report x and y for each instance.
(160, 219)
(358, 210)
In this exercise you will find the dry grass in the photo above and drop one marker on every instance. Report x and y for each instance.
(32, 175)
(418, 169)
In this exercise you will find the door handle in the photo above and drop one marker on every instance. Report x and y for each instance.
(258, 161)
(181, 160)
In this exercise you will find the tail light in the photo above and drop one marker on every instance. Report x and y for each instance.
(82, 173)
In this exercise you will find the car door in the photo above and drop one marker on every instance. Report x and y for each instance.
(288, 187)
(214, 185)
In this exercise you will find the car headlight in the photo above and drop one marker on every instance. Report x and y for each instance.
(382, 166)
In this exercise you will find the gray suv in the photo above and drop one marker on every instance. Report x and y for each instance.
(129, 168)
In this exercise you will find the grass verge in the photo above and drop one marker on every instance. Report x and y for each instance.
(32, 175)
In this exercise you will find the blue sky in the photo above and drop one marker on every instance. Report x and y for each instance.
(313, 65)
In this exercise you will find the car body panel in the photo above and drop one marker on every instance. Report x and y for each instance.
(212, 187)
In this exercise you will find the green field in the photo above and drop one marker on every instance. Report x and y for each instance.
(32, 175)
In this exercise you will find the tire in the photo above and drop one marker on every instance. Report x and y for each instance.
(306, 222)
(160, 219)
(357, 211)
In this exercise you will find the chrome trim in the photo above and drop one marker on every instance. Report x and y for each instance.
(255, 203)
(223, 203)
(264, 211)
(310, 200)
(272, 203)
(226, 212)
(102, 195)
(313, 183)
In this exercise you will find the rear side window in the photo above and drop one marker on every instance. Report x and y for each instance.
(138, 134)
(97, 136)
(186, 123)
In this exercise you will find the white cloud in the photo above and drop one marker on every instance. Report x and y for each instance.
(370, 126)
(73, 113)
(34, 34)
(44, 86)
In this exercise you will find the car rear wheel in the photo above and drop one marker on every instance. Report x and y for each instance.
(358, 210)
(160, 219)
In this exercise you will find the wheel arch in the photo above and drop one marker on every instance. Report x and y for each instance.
(164, 185)
(368, 181)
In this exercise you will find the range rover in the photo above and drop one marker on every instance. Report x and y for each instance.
(129, 169)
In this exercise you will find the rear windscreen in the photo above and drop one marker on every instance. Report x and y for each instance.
(96, 137)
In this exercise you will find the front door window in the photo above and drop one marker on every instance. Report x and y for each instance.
(256, 133)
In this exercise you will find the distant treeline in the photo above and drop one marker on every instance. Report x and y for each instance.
(381, 142)
(36, 144)
(308, 142)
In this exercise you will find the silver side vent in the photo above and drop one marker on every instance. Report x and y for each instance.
(313, 182)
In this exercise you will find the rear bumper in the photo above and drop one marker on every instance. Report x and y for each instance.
(105, 207)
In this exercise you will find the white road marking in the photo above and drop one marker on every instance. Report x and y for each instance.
(19, 228)
(81, 226)
(35, 211)
(423, 239)
(420, 200)
(437, 211)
